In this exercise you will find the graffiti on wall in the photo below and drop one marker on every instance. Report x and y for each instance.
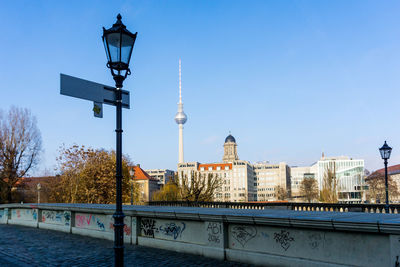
(56, 217)
(24, 214)
(148, 227)
(316, 239)
(67, 218)
(83, 220)
(214, 231)
(127, 229)
(34, 214)
(284, 239)
(172, 229)
(243, 233)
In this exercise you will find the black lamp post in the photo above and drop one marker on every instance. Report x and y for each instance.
(385, 154)
(118, 42)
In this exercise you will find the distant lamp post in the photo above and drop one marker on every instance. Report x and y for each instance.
(118, 43)
(39, 186)
(385, 154)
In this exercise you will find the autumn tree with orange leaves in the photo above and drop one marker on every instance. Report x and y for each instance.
(87, 175)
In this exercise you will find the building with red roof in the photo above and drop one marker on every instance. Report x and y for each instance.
(147, 185)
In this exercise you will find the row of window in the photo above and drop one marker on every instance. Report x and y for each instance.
(266, 195)
(266, 167)
(210, 168)
(266, 189)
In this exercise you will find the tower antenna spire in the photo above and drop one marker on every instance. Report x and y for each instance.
(180, 82)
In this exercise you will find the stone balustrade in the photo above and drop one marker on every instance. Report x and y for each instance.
(335, 207)
(263, 237)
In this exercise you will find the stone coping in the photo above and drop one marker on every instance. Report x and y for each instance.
(336, 221)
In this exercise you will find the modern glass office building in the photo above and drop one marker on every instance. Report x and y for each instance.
(349, 175)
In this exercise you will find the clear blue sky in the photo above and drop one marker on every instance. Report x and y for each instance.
(289, 79)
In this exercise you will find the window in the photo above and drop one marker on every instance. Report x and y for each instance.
(201, 168)
(218, 168)
(210, 168)
(226, 167)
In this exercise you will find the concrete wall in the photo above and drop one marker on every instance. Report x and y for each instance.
(261, 237)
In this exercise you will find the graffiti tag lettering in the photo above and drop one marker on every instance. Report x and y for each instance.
(284, 239)
(171, 229)
(82, 220)
(243, 233)
(148, 227)
(214, 230)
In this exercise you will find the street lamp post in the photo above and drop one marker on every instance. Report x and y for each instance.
(118, 43)
(385, 154)
(39, 186)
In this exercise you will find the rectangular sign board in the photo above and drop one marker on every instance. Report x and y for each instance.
(96, 92)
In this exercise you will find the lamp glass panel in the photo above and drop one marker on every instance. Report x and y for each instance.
(382, 153)
(387, 153)
(106, 48)
(126, 49)
(114, 43)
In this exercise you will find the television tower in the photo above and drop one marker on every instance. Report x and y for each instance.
(180, 117)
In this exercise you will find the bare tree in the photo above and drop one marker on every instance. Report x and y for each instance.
(20, 146)
(309, 189)
(328, 193)
(280, 193)
(377, 189)
(199, 187)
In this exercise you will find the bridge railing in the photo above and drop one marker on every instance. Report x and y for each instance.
(260, 237)
(334, 207)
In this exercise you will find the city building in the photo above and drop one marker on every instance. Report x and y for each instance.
(162, 175)
(297, 174)
(268, 177)
(241, 180)
(349, 174)
(394, 174)
(147, 185)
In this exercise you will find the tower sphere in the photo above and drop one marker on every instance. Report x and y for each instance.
(180, 117)
(230, 138)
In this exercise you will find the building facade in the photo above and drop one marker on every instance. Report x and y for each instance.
(297, 175)
(394, 174)
(349, 175)
(147, 185)
(268, 177)
(162, 175)
(241, 180)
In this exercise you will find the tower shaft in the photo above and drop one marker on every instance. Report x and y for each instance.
(181, 160)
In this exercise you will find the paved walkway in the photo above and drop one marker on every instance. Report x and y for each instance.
(25, 246)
